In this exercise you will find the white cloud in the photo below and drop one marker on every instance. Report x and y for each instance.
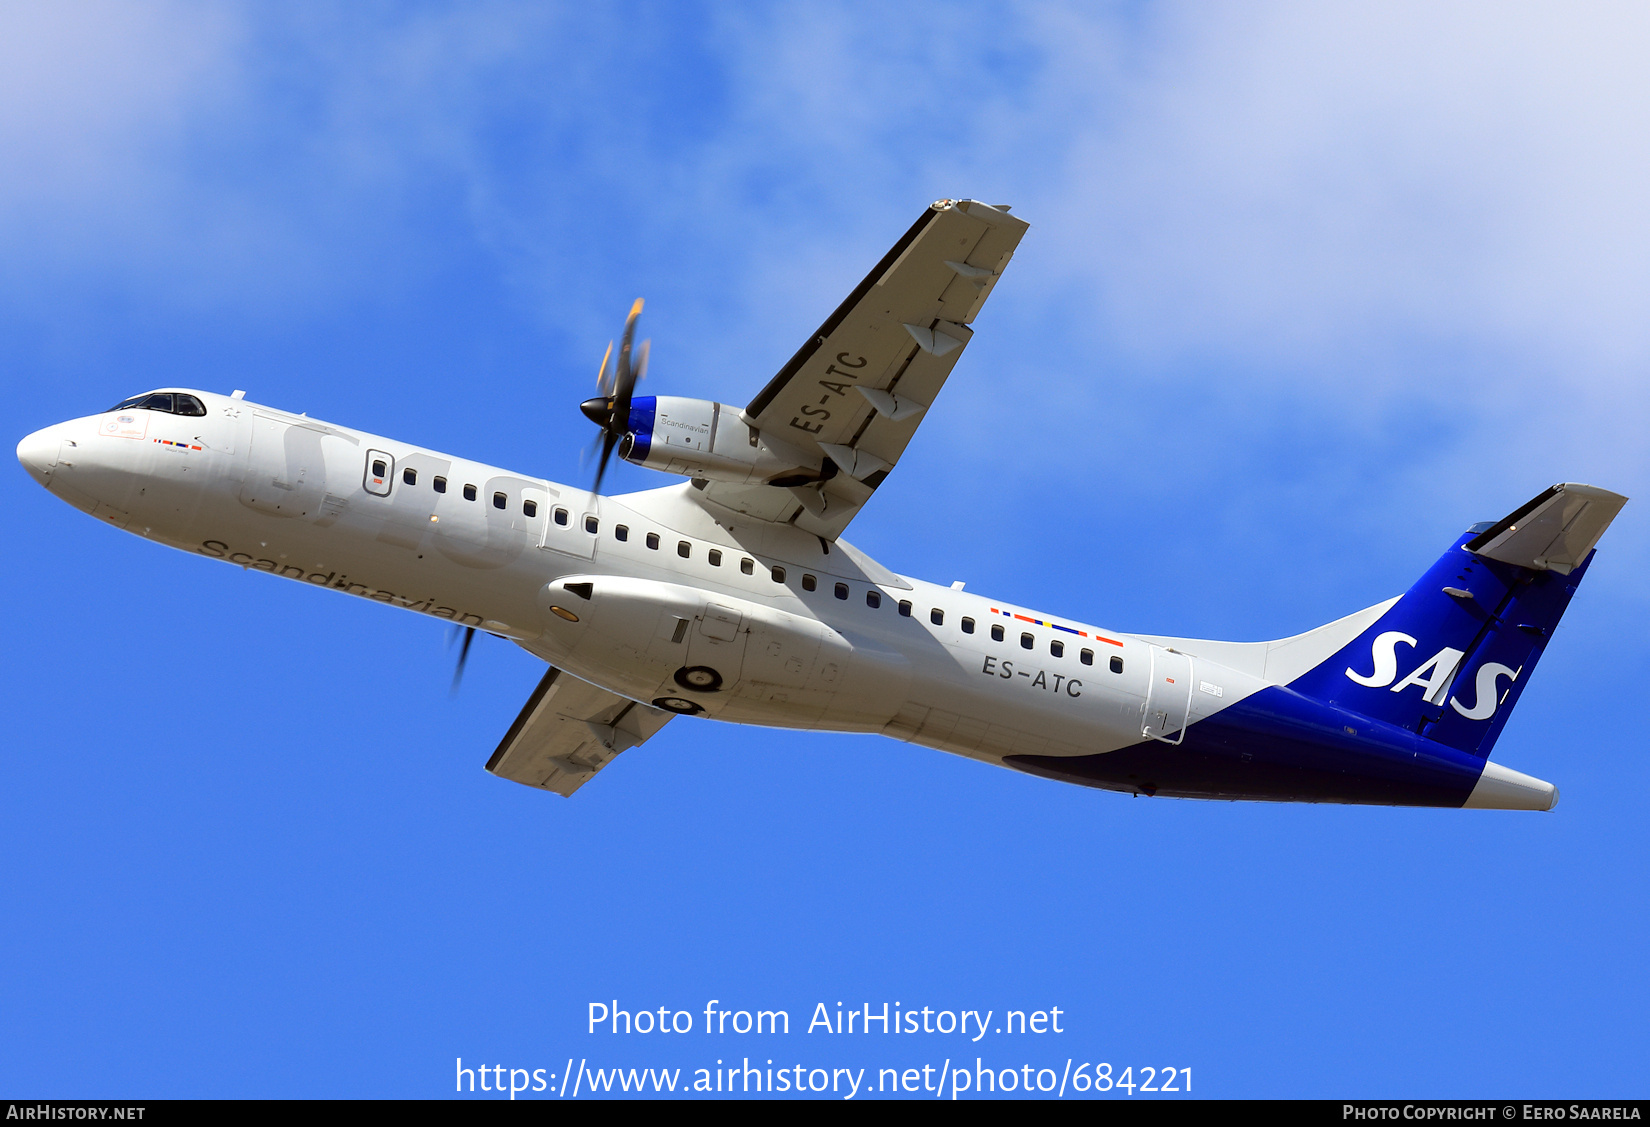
(1372, 212)
(1292, 175)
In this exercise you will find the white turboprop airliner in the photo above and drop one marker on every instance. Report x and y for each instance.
(733, 596)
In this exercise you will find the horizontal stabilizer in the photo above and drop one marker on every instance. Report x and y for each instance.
(568, 731)
(1554, 532)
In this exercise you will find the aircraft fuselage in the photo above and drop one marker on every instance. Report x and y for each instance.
(652, 597)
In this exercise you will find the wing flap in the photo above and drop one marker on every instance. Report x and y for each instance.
(568, 730)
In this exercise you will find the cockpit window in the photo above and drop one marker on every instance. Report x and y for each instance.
(160, 401)
(175, 403)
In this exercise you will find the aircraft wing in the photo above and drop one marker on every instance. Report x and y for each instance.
(860, 385)
(568, 731)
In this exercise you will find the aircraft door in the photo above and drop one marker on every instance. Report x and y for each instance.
(569, 525)
(379, 472)
(716, 649)
(285, 468)
(1168, 696)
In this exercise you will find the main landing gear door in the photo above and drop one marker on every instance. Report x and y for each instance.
(717, 642)
(1168, 696)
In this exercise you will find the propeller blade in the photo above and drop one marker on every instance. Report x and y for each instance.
(625, 377)
(604, 382)
(463, 656)
(609, 441)
(611, 409)
(587, 456)
(626, 381)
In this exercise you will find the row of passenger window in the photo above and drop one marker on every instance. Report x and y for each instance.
(747, 566)
(500, 500)
(873, 597)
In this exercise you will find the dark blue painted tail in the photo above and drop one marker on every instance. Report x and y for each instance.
(1450, 658)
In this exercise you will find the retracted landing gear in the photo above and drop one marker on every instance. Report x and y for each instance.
(699, 678)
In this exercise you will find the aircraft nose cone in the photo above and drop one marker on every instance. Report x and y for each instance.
(38, 453)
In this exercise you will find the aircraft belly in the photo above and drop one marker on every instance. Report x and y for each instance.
(760, 664)
(1282, 746)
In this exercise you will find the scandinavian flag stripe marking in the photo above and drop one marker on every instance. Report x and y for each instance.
(1055, 626)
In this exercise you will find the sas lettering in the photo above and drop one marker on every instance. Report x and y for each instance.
(1433, 676)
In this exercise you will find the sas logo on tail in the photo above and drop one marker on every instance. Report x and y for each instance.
(1434, 675)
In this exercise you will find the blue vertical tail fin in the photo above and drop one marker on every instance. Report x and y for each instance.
(1450, 658)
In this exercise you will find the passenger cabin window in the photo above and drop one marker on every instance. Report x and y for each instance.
(1086, 657)
(1027, 641)
(500, 500)
(653, 541)
(1117, 665)
(715, 557)
(440, 484)
(592, 525)
(937, 616)
(747, 566)
(1057, 648)
(684, 549)
(996, 633)
(809, 583)
(842, 590)
(968, 625)
(410, 476)
(561, 517)
(621, 532)
(873, 598)
(905, 608)
(779, 575)
(469, 493)
(530, 508)
(379, 469)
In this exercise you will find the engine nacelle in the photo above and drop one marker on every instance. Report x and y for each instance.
(698, 438)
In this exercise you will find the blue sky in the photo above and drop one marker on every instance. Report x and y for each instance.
(1308, 289)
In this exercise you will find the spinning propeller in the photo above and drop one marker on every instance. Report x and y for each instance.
(611, 409)
(463, 654)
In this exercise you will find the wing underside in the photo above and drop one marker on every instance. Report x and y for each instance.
(569, 730)
(859, 387)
